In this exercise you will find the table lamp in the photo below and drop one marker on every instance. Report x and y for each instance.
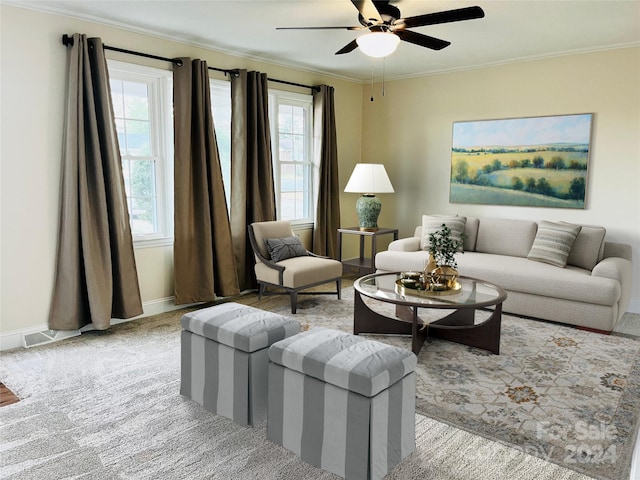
(368, 179)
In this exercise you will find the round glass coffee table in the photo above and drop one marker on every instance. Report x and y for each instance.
(458, 326)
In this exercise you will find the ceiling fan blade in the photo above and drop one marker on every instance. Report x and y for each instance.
(468, 13)
(422, 40)
(321, 28)
(368, 10)
(349, 47)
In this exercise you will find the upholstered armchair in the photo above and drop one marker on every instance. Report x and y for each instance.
(283, 262)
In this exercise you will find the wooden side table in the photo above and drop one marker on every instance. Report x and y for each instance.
(362, 264)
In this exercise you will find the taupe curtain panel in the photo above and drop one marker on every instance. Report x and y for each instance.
(252, 191)
(325, 241)
(204, 265)
(96, 277)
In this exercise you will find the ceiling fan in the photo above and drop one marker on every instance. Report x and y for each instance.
(387, 27)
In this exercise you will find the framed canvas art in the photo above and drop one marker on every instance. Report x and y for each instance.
(533, 161)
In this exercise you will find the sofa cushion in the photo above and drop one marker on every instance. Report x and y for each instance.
(471, 229)
(553, 243)
(433, 223)
(505, 237)
(588, 248)
(282, 248)
(516, 274)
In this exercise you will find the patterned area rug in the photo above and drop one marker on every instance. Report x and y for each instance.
(105, 405)
(565, 395)
(557, 404)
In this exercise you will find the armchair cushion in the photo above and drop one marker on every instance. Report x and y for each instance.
(282, 248)
(273, 229)
(300, 271)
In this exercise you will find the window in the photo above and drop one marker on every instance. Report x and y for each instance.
(142, 110)
(142, 104)
(291, 136)
(291, 125)
(221, 108)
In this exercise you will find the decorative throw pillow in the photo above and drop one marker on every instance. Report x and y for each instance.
(553, 243)
(587, 250)
(283, 248)
(433, 223)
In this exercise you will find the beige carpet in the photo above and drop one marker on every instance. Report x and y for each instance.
(565, 395)
(106, 405)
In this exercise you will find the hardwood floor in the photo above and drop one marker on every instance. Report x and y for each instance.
(7, 397)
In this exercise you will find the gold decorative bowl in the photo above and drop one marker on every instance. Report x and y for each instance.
(402, 289)
(411, 275)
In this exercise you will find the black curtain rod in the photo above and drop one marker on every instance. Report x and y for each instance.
(67, 41)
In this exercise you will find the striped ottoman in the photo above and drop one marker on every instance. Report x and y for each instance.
(342, 403)
(224, 359)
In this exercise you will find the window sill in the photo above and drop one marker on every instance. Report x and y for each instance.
(303, 225)
(152, 242)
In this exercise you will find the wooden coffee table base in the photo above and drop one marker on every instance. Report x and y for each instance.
(458, 327)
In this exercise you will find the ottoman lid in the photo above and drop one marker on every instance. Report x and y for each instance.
(348, 361)
(240, 326)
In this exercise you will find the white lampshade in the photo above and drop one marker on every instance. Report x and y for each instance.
(369, 178)
(378, 44)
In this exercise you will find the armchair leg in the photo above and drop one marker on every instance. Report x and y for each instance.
(261, 291)
(339, 287)
(294, 301)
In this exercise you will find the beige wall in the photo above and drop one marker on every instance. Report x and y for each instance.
(33, 65)
(410, 129)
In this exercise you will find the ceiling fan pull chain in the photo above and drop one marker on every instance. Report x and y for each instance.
(384, 65)
(372, 81)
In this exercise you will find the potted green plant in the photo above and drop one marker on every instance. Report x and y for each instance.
(443, 247)
(441, 270)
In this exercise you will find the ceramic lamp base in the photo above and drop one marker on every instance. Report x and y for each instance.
(368, 208)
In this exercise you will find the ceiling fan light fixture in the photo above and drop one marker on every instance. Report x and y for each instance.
(378, 44)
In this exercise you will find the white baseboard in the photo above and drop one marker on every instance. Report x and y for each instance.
(154, 307)
(16, 338)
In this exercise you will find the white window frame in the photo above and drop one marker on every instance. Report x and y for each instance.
(160, 84)
(276, 98)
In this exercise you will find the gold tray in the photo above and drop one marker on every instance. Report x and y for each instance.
(402, 290)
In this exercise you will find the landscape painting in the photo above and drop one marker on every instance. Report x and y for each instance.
(535, 161)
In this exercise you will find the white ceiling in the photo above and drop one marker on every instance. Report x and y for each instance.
(511, 30)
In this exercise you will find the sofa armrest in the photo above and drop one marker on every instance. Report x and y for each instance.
(615, 268)
(411, 244)
(614, 249)
(619, 269)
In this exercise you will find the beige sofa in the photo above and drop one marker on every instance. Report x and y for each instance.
(592, 291)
